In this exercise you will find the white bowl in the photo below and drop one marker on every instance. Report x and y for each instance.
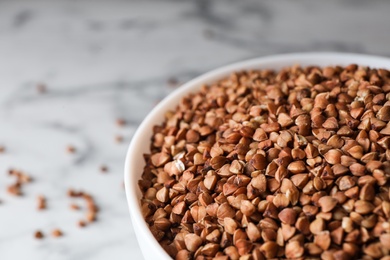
(141, 140)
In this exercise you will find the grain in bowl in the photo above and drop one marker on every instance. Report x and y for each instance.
(264, 164)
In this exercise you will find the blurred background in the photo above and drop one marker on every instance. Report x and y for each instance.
(70, 69)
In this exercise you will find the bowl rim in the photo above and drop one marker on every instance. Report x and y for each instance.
(131, 184)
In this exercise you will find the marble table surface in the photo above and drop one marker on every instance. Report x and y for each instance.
(103, 60)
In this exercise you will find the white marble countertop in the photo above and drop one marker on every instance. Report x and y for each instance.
(103, 60)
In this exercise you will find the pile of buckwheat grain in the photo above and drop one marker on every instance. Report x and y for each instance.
(291, 164)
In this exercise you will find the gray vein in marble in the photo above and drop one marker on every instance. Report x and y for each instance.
(205, 11)
(22, 18)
